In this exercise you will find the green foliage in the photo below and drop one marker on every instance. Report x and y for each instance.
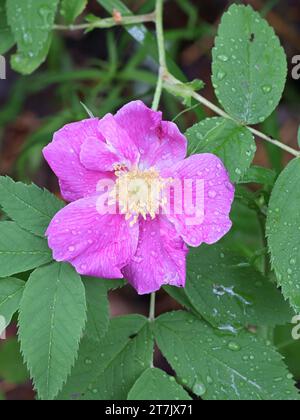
(97, 306)
(29, 206)
(71, 9)
(6, 39)
(249, 66)
(288, 347)
(12, 368)
(20, 251)
(233, 143)
(216, 367)
(186, 90)
(51, 321)
(283, 228)
(11, 291)
(25, 64)
(259, 175)
(107, 369)
(31, 23)
(156, 385)
(224, 289)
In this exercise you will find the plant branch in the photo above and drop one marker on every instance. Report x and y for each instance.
(157, 96)
(171, 81)
(152, 307)
(161, 53)
(108, 23)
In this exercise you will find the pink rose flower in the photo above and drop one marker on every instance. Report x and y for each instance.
(139, 235)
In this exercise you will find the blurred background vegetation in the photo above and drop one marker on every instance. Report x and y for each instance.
(104, 69)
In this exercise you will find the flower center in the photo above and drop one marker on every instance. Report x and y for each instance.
(138, 192)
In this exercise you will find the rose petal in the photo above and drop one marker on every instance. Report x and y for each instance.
(160, 143)
(218, 194)
(96, 156)
(119, 141)
(95, 244)
(159, 259)
(63, 156)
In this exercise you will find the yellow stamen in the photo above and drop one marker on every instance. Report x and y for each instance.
(138, 193)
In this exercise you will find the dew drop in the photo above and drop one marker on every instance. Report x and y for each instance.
(45, 13)
(238, 171)
(27, 38)
(223, 58)
(199, 389)
(234, 346)
(212, 194)
(221, 75)
(267, 89)
(209, 380)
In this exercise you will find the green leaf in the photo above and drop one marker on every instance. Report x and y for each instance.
(245, 235)
(6, 39)
(51, 321)
(12, 368)
(259, 175)
(107, 369)
(20, 251)
(225, 290)
(271, 127)
(186, 90)
(298, 136)
(233, 143)
(249, 66)
(283, 230)
(11, 291)
(97, 306)
(288, 347)
(216, 367)
(156, 385)
(31, 207)
(71, 9)
(27, 63)
(31, 23)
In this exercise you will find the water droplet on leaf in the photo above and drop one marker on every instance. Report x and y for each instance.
(199, 389)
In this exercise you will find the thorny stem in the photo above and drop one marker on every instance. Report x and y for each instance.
(108, 22)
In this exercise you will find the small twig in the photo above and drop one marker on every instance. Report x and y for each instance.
(116, 20)
(170, 80)
(161, 54)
